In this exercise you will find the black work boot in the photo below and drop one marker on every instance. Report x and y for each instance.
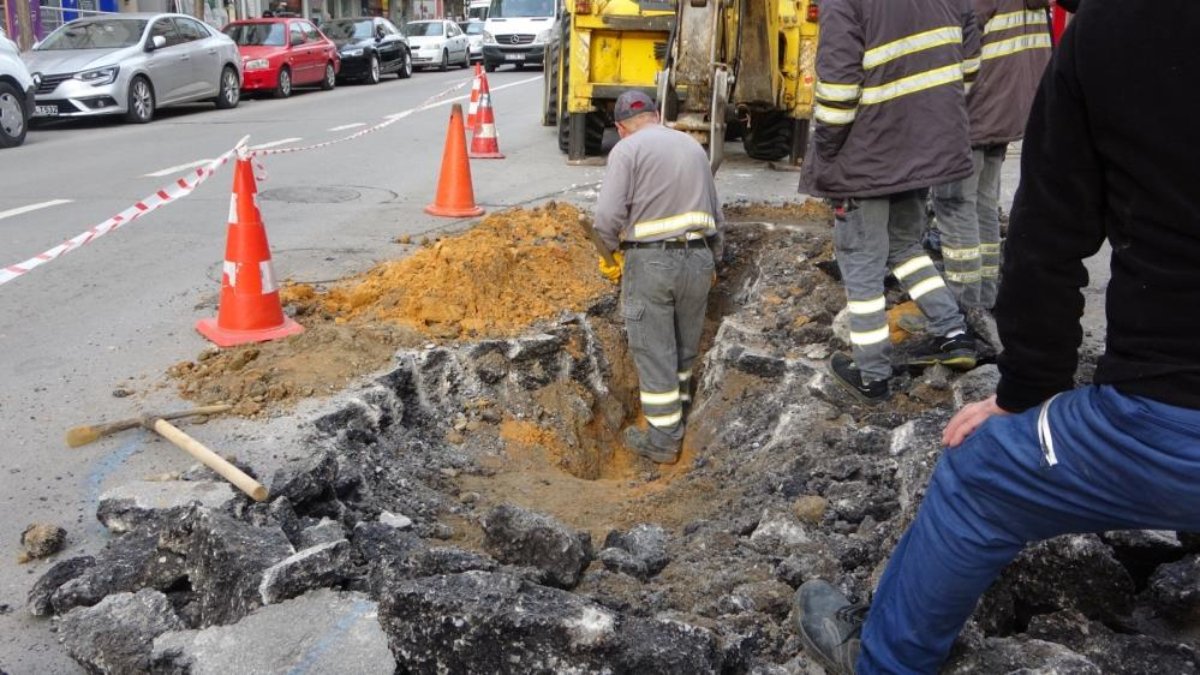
(846, 373)
(956, 352)
(638, 441)
(829, 624)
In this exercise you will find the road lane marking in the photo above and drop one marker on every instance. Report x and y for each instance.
(348, 126)
(282, 141)
(177, 169)
(32, 207)
(456, 99)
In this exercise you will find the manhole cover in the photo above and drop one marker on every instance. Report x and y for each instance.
(311, 195)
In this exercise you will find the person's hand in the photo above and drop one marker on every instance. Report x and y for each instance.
(968, 419)
(613, 272)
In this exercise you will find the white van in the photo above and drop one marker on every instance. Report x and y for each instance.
(516, 32)
(17, 88)
(478, 9)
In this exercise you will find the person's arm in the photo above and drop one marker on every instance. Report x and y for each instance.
(616, 198)
(1057, 221)
(839, 76)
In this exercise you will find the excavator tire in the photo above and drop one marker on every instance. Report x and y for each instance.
(593, 138)
(769, 137)
(550, 73)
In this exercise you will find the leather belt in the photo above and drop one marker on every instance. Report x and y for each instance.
(675, 243)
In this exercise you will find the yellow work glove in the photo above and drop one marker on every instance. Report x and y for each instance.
(613, 272)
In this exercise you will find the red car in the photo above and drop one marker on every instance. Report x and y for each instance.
(279, 54)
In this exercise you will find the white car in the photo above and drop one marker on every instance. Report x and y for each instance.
(438, 43)
(133, 64)
(474, 32)
(17, 88)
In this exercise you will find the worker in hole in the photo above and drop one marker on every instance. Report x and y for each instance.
(659, 216)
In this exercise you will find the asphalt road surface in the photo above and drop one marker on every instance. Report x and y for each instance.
(118, 312)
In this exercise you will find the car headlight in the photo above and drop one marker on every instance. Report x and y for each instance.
(257, 64)
(543, 36)
(353, 52)
(99, 76)
(488, 38)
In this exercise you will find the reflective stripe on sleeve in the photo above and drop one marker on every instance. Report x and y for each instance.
(683, 222)
(917, 42)
(866, 306)
(912, 84)
(870, 337)
(663, 398)
(970, 66)
(1013, 20)
(911, 266)
(665, 420)
(846, 93)
(924, 286)
(827, 115)
(1012, 46)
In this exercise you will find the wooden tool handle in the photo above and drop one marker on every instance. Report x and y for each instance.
(597, 242)
(202, 410)
(212, 460)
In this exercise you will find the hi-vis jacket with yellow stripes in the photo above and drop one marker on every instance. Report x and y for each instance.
(1016, 49)
(891, 112)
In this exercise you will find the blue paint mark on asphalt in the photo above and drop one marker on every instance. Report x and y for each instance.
(310, 658)
(103, 468)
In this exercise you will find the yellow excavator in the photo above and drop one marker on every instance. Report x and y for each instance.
(719, 69)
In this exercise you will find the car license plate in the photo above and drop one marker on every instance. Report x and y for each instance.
(45, 110)
(514, 57)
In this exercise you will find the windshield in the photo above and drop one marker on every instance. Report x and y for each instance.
(344, 30)
(256, 34)
(511, 9)
(95, 34)
(427, 29)
(472, 28)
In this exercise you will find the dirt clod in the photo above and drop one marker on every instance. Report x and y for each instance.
(41, 540)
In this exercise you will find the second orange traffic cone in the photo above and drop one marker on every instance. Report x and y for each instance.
(250, 310)
(473, 108)
(484, 142)
(455, 194)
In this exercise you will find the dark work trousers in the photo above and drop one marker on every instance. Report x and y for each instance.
(1090, 460)
(968, 216)
(664, 293)
(870, 236)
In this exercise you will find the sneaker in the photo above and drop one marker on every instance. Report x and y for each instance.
(956, 352)
(638, 441)
(830, 625)
(845, 373)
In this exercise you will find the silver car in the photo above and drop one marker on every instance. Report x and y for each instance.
(133, 64)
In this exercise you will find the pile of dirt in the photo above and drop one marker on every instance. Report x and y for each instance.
(783, 212)
(511, 270)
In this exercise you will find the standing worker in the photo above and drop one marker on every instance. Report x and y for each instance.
(891, 121)
(1041, 458)
(1015, 51)
(658, 205)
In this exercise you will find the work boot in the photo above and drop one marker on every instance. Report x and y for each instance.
(956, 352)
(830, 625)
(638, 441)
(846, 373)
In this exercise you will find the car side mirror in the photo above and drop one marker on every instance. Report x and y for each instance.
(156, 42)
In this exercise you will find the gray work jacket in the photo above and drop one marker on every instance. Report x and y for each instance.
(890, 113)
(1016, 49)
(657, 186)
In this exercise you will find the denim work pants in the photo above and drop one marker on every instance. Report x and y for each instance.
(968, 215)
(664, 294)
(869, 237)
(1115, 462)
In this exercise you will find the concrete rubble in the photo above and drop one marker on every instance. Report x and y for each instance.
(386, 545)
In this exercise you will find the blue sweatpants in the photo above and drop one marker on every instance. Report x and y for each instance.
(1116, 462)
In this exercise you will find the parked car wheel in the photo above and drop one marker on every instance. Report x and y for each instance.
(445, 64)
(13, 123)
(330, 80)
(141, 101)
(406, 68)
(466, 62)
(284, 88)
(373, 70)
(231, 91)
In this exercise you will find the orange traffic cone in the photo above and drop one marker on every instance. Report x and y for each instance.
(250, 310)
(455, 195)
(484, 143)
(474, 107)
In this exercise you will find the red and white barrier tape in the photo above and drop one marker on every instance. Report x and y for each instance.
(184, 186)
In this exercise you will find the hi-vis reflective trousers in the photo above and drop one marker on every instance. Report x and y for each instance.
(870, 237)
(1090, 460)
(664, 293)
(968, 215)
